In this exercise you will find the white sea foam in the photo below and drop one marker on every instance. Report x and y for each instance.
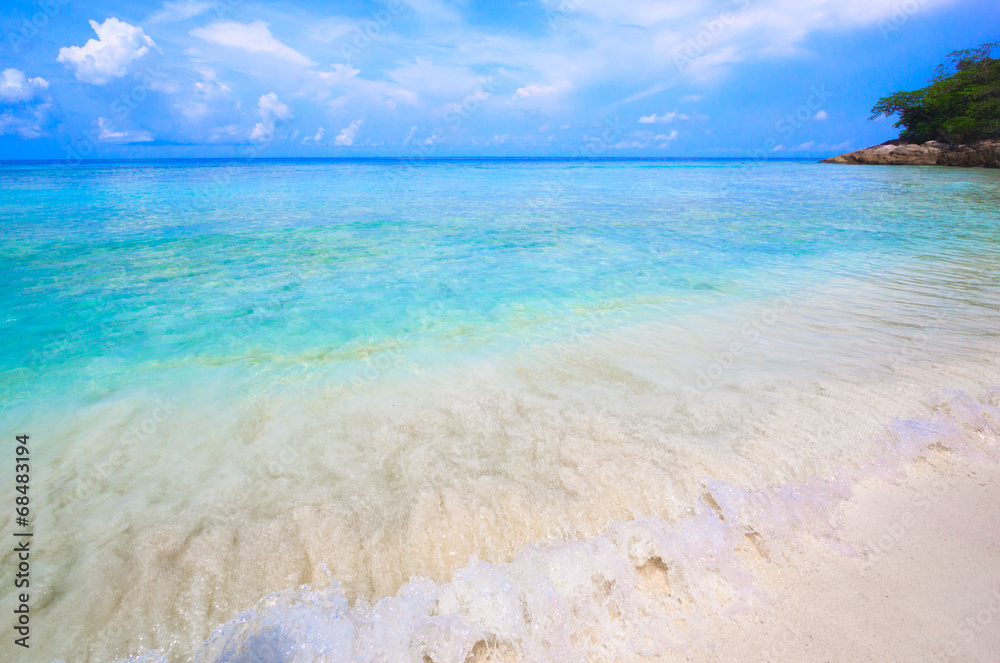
(643, 588)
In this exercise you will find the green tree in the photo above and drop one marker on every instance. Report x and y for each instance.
(960, 105)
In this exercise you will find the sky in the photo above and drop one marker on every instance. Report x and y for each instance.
(436, 78)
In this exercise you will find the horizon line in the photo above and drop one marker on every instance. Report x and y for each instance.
(74, 162)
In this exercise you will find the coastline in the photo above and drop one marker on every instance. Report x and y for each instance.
(899, 152)
(925, 585)
(894, 560)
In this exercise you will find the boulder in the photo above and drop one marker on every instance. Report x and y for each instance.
(983, 154)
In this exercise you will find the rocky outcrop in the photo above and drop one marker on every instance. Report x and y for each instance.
(984, 154)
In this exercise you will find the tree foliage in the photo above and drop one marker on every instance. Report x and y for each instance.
(960, 105)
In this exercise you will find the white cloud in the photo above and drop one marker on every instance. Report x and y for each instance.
(347, 134)
(813, 146)
(434, 79)
(271, 111)
(441, 11)
(315, 138)
(532, 90)
(118, 44)
(9, 123)
(694, 41)
(204, 97)
(26, 122)
(180, 11)
(663, 119)
(109, 135)
(821, 115)
(409, 136)
(500, 139)
(353, 90)
(15, 86)
(334, 27)
(665, 137)
(253, 37)
(691, 98)
(535, 90)
(339, 74)
(228, 132)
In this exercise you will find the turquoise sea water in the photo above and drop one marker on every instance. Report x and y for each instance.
(246, 375)
(171, 266)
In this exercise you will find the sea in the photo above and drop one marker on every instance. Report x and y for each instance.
(467, 409)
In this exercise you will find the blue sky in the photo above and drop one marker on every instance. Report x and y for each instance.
(205, 78)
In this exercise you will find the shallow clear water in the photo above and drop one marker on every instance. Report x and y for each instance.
(244, 377)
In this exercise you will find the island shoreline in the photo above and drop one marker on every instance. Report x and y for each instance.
(899, 152)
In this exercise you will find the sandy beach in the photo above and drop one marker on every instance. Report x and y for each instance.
(923, 586)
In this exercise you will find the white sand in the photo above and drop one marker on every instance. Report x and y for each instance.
(930, 592)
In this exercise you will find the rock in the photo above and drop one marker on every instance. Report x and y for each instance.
(984, 154)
